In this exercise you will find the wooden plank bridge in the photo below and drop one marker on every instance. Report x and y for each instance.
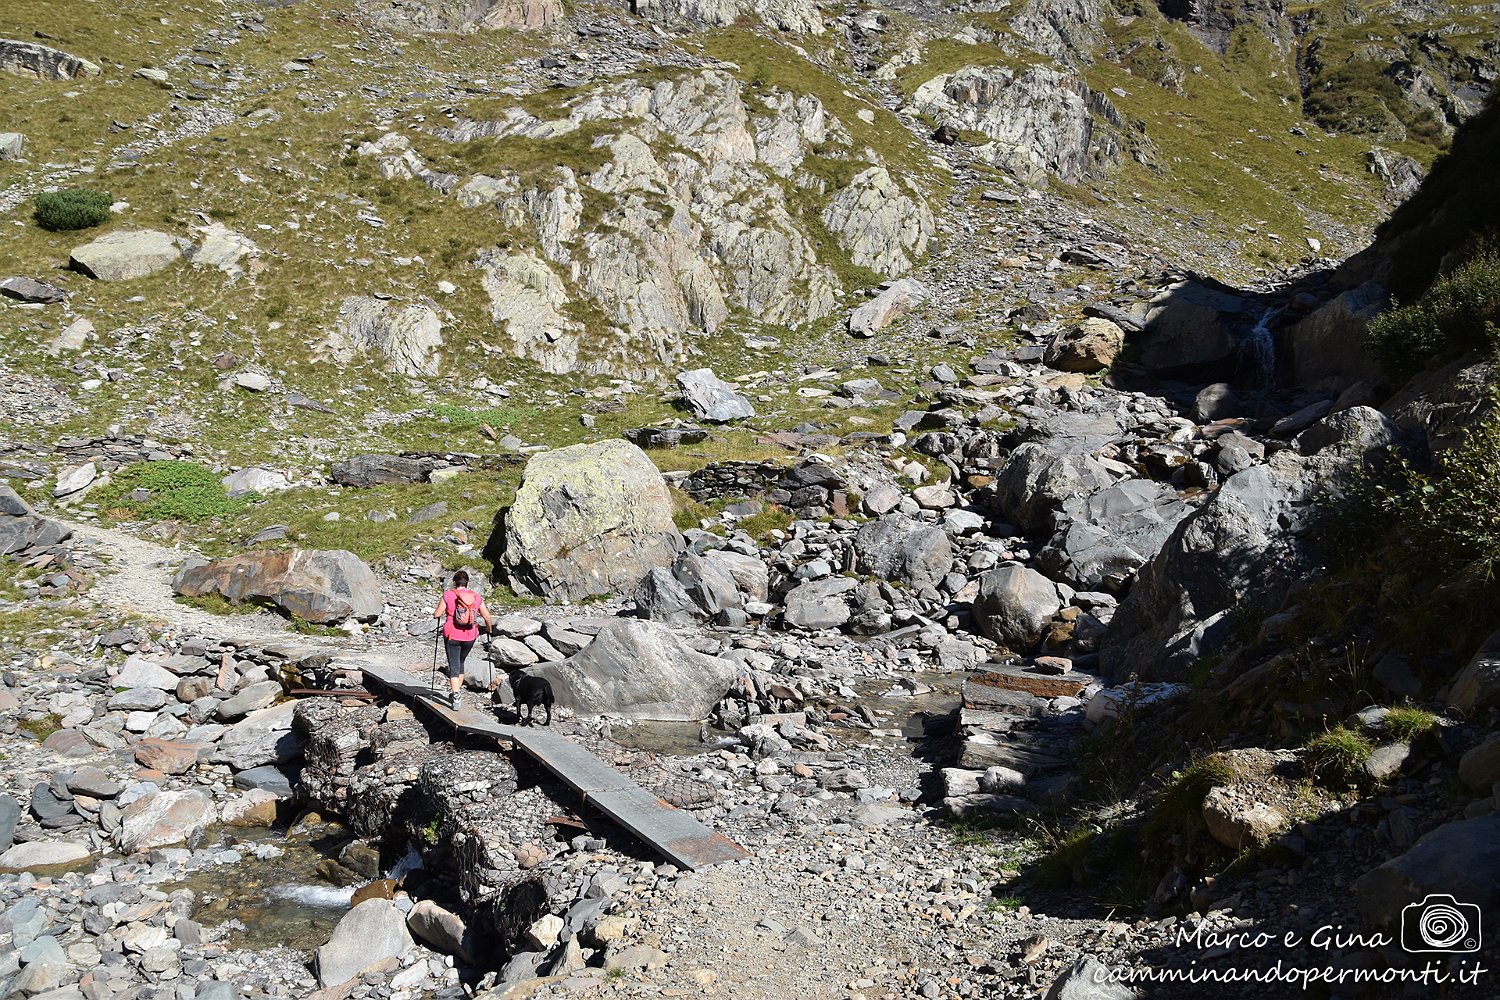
(672, 832)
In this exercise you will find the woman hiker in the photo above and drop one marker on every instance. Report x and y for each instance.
(461, 608)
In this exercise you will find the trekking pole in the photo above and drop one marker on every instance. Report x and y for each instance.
(437, 638)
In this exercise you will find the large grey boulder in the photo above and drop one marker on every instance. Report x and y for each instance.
(1459, 859)
(818, 604)
(408, 335)
(372, 932)
(661, 597)
(894, 301)
(320, 586)
(43, 63)
(1192, 331)
(1088, 979)
(42, 854)
(639, 670)
(589, 519)
(126, 254)
(709, 397)
(262, 737)
(1110, 534)
(1090, 346)
(159, 819)
(21, 528)
(1478, 683)
(1216, 558)
(381, 470)
(1239, 549)
(1035, 480)
(898, 548)
(1015, 604)
(12, 145)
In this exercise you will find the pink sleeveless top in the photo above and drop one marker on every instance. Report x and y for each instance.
(450, 601)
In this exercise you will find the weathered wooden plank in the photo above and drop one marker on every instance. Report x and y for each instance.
(672, 832)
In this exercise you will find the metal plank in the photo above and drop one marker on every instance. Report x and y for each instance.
(671, 831)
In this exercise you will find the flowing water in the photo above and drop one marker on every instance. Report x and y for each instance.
(1259, 348)
(274, 896)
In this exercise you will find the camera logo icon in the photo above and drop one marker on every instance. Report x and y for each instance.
(1440, 923)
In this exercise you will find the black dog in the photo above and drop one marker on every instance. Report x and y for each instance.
(531, 692)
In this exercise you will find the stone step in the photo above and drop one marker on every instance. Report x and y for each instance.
(980, 686)
(979, 754)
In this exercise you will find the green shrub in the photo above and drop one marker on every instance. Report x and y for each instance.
(75, 208)
(1460, 312)
(158, 491)
(1449, 517)
(1338, 756)
(1179, 809)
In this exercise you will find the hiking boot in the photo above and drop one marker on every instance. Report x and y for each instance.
(454, 701)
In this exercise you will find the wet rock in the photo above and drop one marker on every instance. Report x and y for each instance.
(589, 519)
(320, 586)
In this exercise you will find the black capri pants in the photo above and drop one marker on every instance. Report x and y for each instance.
(457, 653)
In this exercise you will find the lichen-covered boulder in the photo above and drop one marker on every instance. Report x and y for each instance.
(589, 519)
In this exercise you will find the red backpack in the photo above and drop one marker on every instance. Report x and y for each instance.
(465, 609)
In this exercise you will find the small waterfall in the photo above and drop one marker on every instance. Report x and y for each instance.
(1259, 348)
(410, 863)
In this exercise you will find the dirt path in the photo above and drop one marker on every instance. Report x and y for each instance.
(138, 581)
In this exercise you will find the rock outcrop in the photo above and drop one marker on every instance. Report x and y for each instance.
(320, 586)
(126, 254)
(709, 397)
(409, 336)
(588, 519)
(881, 225)
(43, 63)
(1042, 122)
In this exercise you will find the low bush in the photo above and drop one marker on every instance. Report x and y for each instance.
(1460, 312)
(1408, 724)
(159, 491)
(75, 208)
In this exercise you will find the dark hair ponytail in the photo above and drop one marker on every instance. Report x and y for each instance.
(461, 578)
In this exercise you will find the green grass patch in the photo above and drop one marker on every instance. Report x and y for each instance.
(217, 604)
(773, 517)
(1409, 724)
(1178, 811)
(1337, 757)
(40, 729)
(172, 490)
(464, 418)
